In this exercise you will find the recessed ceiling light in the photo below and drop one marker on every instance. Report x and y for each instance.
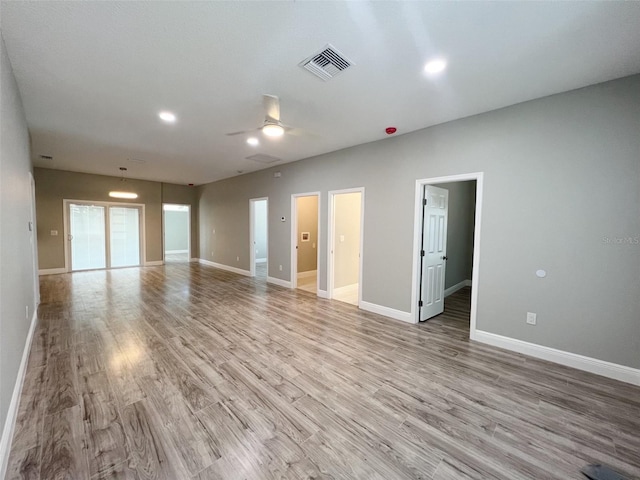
(167, 117)
(253, 141)
(435, 66)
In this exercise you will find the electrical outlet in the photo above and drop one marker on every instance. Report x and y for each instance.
(237, 259)
(280, 267)
(27, 312)
(531, 318)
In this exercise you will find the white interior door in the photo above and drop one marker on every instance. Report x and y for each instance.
(434, 251)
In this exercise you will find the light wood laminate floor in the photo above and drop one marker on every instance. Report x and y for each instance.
(185, 371)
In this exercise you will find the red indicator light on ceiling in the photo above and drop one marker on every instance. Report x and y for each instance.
(390, 130)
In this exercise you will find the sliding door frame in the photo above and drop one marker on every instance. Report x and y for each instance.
(67, 230)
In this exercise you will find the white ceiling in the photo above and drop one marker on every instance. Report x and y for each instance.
(94, 75)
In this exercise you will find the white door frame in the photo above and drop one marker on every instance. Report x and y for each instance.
(188, 228)
(294, 239)
(331, 242)
(252, 234)
(67, 228)
(417, 233)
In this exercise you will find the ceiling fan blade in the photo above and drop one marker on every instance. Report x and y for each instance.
(242, 131)
(271, 107)
(298, 132)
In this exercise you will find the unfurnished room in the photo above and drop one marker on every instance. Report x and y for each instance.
(320, 240)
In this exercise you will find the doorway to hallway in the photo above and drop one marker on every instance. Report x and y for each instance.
(305, 234)
(259, 238)
(433, 247)
(346, 219)
(176, 228)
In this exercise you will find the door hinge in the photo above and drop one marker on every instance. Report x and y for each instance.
(424, 202)
(422, 253)
(420, 303)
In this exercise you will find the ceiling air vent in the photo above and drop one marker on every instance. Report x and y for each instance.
(327, 63)
(262, 158)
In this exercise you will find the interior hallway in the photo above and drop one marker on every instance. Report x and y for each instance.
(186, 371)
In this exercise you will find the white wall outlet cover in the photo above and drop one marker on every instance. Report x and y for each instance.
(54, 233)
(541, 273)
(531, 318)
(341, 238)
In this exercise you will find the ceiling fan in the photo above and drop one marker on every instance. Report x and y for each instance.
(272, 126)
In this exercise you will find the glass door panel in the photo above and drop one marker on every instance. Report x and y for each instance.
(124, 236)
(88, 237)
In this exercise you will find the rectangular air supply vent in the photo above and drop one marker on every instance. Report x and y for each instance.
(327, 63)
(262, 158)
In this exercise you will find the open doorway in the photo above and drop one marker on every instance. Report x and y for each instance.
(305, 231)
(176, 222)
(447, 246)
(346, 217)
(258, 238)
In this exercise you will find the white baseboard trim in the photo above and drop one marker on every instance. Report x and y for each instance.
(52, 271)
(176, 251)
(588, 364)
(308, 274)
(261, 260)
(155, 263)
(12, 413)
(228, 268)
(278, 281)
(323, 293)
(387, 311)
(458, 286)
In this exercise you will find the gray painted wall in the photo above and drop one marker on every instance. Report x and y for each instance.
(17, 271)
(561, 176)
(53, 186)
(462, 204)
(308, 222)
(176, 230)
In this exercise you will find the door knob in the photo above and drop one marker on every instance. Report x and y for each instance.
(445, 258)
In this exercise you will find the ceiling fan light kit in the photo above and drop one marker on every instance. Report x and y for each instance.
(273, 130)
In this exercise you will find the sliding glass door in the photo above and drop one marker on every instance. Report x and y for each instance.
(104, 235)
(88, 237)
(124, 234)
